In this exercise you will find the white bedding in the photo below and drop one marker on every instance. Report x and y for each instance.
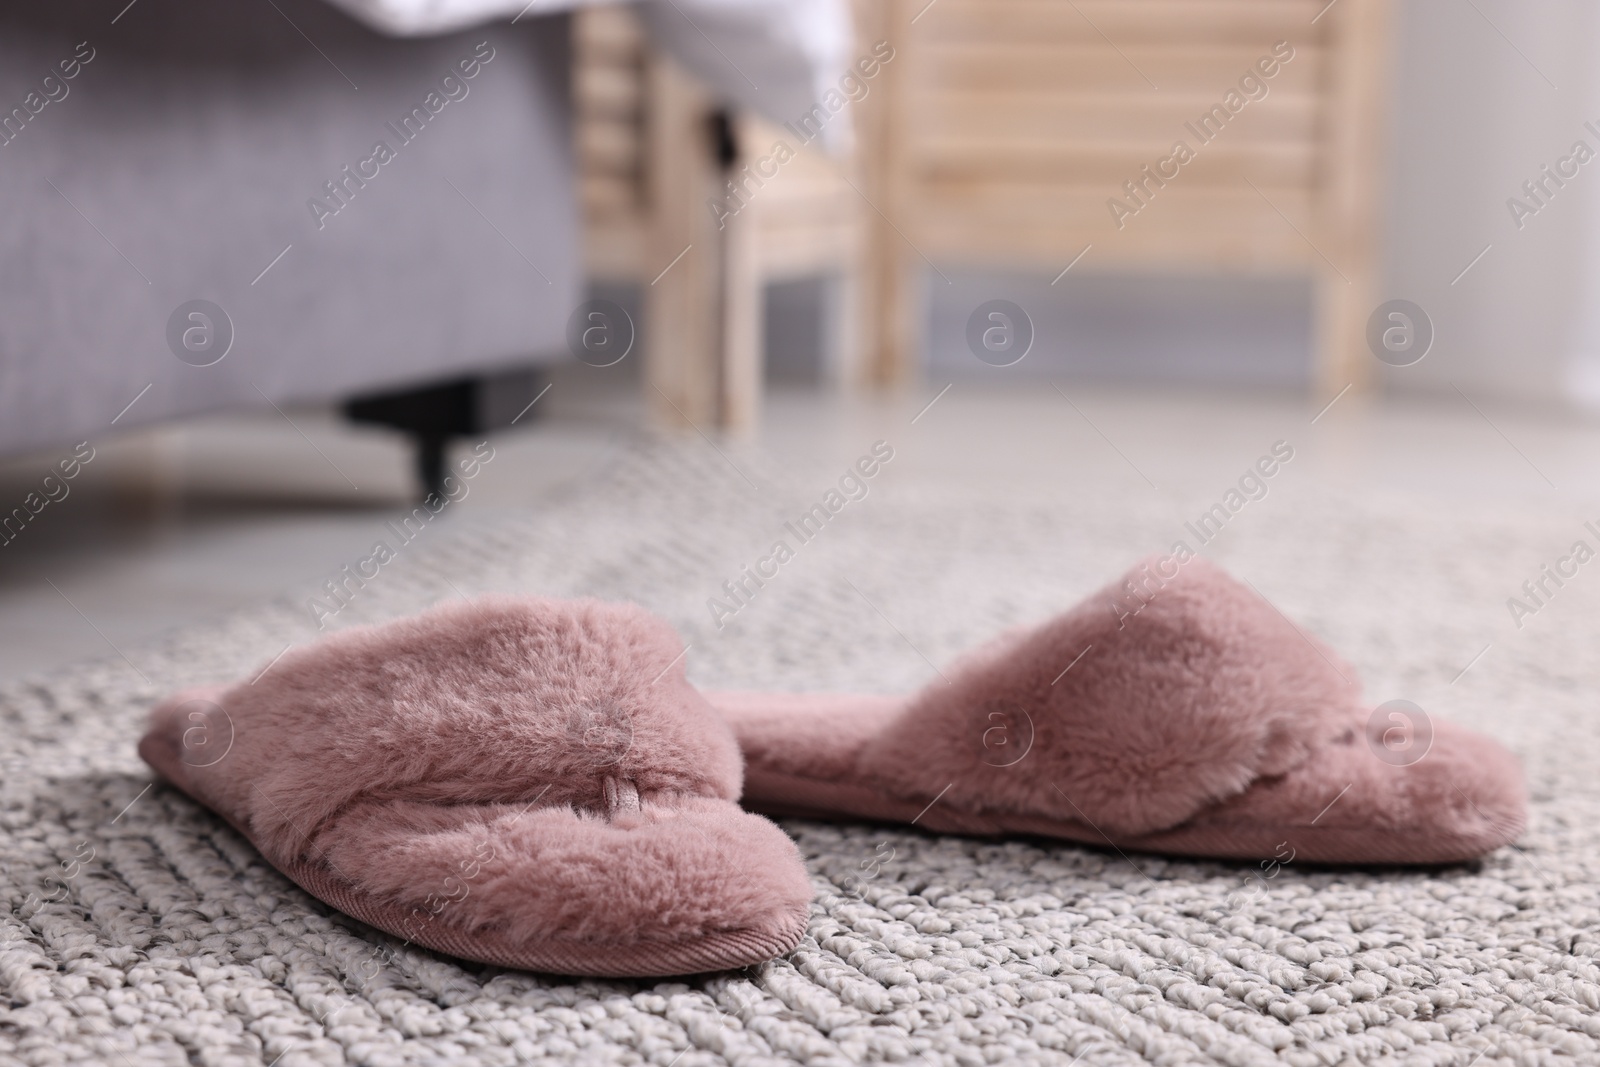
(777, 57)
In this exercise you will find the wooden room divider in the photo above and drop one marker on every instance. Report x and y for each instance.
(1024, 134)
(1228, 136)
(658, 212)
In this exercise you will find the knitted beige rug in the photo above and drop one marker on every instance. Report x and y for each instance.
(138, 929)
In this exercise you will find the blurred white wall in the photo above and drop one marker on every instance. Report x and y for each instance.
(1485, 93)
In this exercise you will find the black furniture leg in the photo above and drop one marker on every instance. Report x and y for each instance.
(430, 463)
(433, 415)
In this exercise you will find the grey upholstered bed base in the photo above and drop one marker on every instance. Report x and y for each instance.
(183, 160)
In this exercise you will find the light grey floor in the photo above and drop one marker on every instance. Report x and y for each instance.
(169, 527)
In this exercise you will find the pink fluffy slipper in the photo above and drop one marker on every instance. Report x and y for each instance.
(523, 782)
(1175, 711)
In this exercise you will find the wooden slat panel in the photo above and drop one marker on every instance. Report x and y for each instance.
(798, 183)
(1049, 249)
(803, 207)
(1220, 163)
(608, 148)
(614, 248)
(608, 79)
(1123, 21)
(1025, 199)
(609, 90)
(1078, 206)
(1208, 70)
(607, 195)
(1252, 245)
(1032, 116)
(1182, 225)
(607, 31)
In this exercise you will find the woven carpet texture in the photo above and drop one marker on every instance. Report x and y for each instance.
(138, 929)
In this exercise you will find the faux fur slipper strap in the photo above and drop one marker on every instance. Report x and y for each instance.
(1174, 711)
(525, 782)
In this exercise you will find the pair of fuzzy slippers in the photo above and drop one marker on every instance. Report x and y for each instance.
(534, 783)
